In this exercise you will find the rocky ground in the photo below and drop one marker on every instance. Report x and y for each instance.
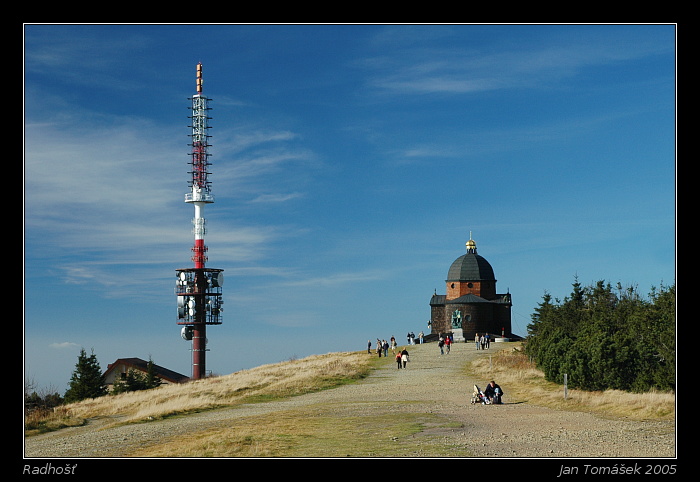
(433, 384)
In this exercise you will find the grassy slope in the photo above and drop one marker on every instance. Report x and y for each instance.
(305, 431)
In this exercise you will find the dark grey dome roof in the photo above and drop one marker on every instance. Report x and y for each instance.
(470, 267)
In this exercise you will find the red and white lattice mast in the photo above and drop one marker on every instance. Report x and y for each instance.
(198, 289)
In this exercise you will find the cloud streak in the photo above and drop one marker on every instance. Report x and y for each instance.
(466, 69)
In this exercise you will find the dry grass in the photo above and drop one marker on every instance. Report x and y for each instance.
(307, 432)
(266, 382)
(39, 421)
(512, 369)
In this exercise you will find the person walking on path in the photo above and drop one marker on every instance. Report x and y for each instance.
(398, 360)
(441, 343)
(448, 342)
(476, 340)
(404, 357)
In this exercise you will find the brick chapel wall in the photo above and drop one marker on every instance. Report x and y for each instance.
(439, 320)
(483, 289)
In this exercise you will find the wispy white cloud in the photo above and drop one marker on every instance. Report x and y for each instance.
(421, 68)
(338, 278)
(64, 345)
(276, 198)
(76, 56)
(112, 200)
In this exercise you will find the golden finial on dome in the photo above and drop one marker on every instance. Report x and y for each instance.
(471, 244)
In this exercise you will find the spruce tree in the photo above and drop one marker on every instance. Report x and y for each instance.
(87, 380)
(137, 380)
(606, 339)
(152, 379)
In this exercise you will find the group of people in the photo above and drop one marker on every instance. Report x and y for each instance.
(482, 342)
(444, 343)
(382, 347)
(411, 338)
(402, 358)
(493, 392)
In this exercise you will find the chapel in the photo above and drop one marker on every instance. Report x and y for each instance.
(471, 301)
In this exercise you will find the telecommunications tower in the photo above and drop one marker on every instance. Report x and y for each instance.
(198, 289)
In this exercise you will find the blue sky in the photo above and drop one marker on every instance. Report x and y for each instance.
(350, 164)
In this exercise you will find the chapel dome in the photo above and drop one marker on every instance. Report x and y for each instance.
(470, 266)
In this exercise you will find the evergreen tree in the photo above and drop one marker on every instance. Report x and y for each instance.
(133, 381)
(536, 330)
(603, 339)
(87, 380)
(136, 380)
(152, 380)
(662, 322)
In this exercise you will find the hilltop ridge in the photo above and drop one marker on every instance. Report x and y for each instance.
(434, 391)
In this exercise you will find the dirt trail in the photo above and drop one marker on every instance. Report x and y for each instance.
(432, 383)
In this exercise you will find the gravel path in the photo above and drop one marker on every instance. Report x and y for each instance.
(433, 384)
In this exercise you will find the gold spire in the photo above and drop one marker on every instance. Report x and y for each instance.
(471, 244)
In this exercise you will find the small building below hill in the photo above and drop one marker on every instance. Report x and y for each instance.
(117, 371)
(471, 302)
